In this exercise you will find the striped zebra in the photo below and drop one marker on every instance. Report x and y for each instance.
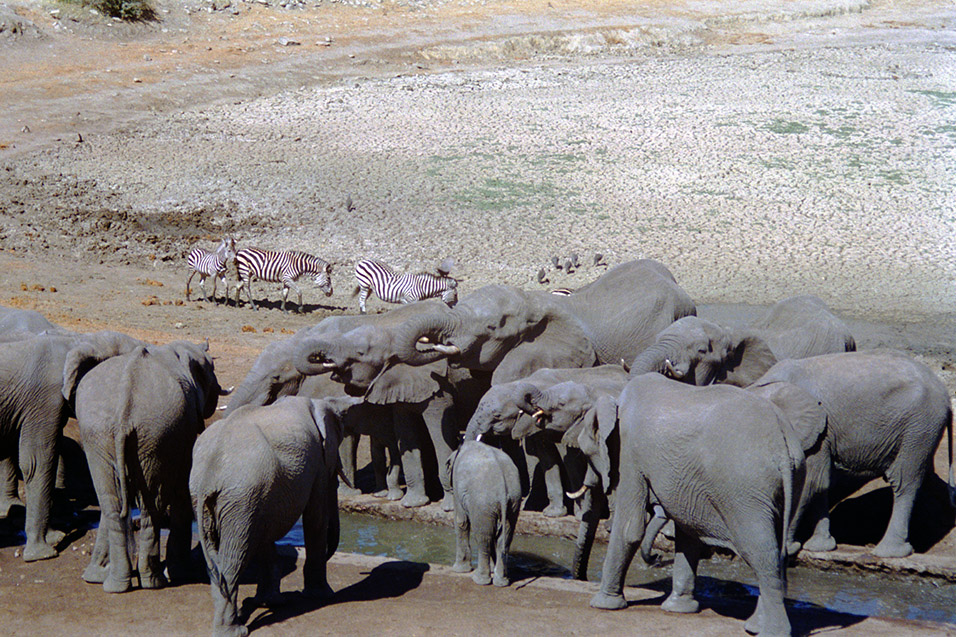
(211, 264)
(280, 267)
(375, 276)
(562, 291)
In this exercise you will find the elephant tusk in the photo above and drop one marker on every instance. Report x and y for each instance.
(227, 391)
(538, 416)
(671, 371)
(478, 437)
(447, 349)
(342, 477)
(424, 340)
(577, 494)
(222, 407)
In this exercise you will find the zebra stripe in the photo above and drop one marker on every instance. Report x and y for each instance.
(210, 264)
(280, 267)
(375, 276)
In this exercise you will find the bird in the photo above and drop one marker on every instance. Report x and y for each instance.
(574, 260)
(542, 276)
(556, 262)
(567, 266)
(348, 203)
(598, 258)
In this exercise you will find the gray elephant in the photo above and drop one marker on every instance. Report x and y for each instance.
(33, 412)
(680, 449)
(702, 352)
(487, 491)
(886, 414)
(274, 375)
(139, 415)
(429, 403)
(512, 332)
(253, 474)
(506, 409)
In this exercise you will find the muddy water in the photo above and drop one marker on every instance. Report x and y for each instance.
(855, 594)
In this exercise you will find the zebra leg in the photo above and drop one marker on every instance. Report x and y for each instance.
(202, 286)
(363, 295)
(215, 280)
(191, 275)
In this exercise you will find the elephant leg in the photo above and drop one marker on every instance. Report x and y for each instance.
(759, 548)
(905, 479)
(150, 566)
(626, 535)
(502, 546)
(817, 507)
(393, 476)
(462, 545)
(38, 466)
(379, 466)
(315, 527)
(549, 461)
(442, 425)
(348, 451)
(120, 578)
(267, 581)
(485, 553)
(410, 441)
(178, 542)
(99, 567)
(9, 496)
(687, 550)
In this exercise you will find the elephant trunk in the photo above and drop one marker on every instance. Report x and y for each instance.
(659, 357)
(314, 357)
(431, 330)
(587, 531)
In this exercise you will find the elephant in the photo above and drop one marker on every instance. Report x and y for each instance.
(253, 474)
(504, 409)
(428, 403)
(886, 414)
(26, 322)
(700, 352)
(33, 412)
(487, 491)
(680, 448)
(511, 332)
(139, 415)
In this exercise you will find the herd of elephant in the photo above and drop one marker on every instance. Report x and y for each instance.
(626, 403)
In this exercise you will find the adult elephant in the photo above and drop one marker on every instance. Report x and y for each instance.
(506, 409)
(886, 414)
(139, 415)
(680, 449)
(428, 402)
(701, 352)
(34, 410)
(512, 332)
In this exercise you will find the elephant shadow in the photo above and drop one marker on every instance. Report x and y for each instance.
(862, 520)
(391, 579)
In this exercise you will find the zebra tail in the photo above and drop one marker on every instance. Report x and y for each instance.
(355, 291)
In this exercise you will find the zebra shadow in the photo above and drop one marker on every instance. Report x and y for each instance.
(292, 307)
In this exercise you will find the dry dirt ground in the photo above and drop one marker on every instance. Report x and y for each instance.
(760, 150)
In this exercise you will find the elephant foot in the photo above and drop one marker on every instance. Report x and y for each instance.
(117, 585)
(448, 503)
(501, 581)
(319, 592)
(348, 492)
(412, 500)
(461, 567)
(680, 604)
(38, 551)
(608, 602)
(555, 510)
(893, 549)
(482, 579)
(793, 548)
(820, 544)
(233, 630)
(394, 494)
(96, 573)
(152, 580)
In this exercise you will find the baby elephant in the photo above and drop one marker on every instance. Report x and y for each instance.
(487, 492)
(254, 473)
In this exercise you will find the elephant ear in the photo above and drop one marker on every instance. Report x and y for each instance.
(407, 384)
(807, 418)
(88, 352)
(750, 357)
(596, 439)
(560, 344)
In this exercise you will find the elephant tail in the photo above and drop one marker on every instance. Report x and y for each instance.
(124, 428)
(790, 491)
(208, 529)
(949, 441)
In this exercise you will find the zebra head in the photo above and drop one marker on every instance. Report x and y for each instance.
(450, 296)
(227, 249)
(323, 278)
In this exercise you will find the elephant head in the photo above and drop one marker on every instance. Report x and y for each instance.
(199, 370)
(504, 409)
(700, 352)
(90, 350)
(500, 329)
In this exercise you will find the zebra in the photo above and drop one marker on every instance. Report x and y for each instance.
(562, 291)
(211, 264)
(375, 276)
(285, 267)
